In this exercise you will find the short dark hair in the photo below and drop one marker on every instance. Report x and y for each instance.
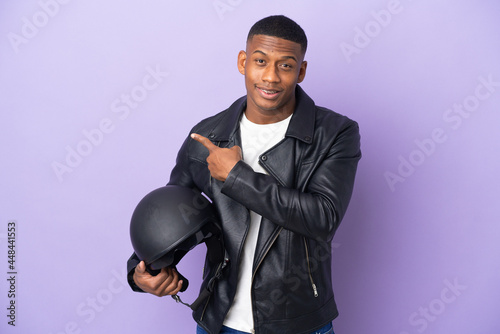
(282, 27)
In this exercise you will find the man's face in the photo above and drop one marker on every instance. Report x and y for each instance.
(272, 67)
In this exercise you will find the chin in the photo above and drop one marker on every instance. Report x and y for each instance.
(267, 108)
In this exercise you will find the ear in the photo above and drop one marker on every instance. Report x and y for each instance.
(302, 71)
(242, 60)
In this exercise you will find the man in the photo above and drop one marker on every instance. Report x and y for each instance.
(280, 171)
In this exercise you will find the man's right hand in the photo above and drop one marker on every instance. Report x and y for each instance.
(165, 283)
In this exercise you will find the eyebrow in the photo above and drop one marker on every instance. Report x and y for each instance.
(284, 57)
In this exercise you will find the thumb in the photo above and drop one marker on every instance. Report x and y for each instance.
(141, 267)
(237, 149)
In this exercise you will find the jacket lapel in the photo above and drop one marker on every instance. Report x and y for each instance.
(281, 162)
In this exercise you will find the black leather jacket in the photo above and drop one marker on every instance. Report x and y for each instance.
(302, 202)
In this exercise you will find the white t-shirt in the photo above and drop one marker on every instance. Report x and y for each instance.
(255, 140)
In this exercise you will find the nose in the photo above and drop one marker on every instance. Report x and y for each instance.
(271, 74)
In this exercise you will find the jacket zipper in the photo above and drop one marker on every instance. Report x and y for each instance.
(315, 290)
(258, 265)
(267, 251)
(218, 268)
(205, 308)
(208, 299)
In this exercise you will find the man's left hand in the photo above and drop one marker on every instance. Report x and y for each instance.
(220, 160)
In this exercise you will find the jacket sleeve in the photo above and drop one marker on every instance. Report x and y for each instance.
(132, 262)
(315, 211)
(180, 173)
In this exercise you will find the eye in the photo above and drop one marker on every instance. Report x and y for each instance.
(286, 66)
(260, 61)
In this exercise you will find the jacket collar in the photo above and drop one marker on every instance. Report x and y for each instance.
(301, 125)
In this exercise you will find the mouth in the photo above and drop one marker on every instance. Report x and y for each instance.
(268, 93)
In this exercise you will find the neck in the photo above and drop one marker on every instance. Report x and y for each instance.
(259, 116)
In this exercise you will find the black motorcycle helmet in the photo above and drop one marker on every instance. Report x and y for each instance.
(169, 222)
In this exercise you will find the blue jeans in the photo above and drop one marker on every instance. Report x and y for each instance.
(226, 330)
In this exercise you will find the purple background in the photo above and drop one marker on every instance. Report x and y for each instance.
(400, 68)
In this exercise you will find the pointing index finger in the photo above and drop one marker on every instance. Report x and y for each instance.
(204, 141)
